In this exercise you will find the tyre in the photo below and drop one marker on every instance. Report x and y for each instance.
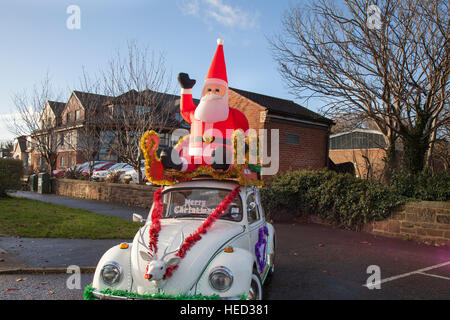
(256, 289)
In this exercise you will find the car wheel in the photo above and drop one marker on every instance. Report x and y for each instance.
(256, 289)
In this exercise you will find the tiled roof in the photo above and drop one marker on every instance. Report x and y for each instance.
(282, 107)
(22, 140)
(89, 100)
(57, 107)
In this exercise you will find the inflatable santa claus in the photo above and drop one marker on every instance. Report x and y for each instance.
(213, 122)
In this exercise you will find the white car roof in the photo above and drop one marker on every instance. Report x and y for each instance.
(205, 183)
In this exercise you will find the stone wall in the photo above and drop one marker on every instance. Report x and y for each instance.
(425, 221)
(127, 194)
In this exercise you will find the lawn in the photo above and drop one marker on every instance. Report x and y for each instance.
(22, 217)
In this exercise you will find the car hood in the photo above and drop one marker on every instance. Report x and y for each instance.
(170, 237)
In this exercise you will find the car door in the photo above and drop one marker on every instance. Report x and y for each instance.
(255, 224)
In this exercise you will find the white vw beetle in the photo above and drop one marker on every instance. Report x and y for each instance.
(231, 261)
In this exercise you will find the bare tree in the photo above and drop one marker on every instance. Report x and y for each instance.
(140, 84)
(34, 117)
(388, 61)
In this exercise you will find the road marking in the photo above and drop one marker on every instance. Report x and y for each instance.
(433, 275)
(420, 271)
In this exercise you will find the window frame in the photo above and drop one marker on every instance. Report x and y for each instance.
(296, 135)
(258, 213)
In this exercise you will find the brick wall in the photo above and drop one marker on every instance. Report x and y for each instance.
(369, 163)
(251, 109)
(425, 221)
(311, 153)
(130, 195)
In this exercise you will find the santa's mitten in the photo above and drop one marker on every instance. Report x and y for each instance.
(170, 159)
(185, 81)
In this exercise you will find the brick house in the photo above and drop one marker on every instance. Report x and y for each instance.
(50, 117)
(19, 151)
(79, 107)
(303, 134)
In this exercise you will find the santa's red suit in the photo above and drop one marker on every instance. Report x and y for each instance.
(212, 121)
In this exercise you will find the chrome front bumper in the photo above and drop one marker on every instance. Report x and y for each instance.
(103, 296)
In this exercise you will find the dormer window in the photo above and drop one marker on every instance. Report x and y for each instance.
(77, 115)
(68, 117)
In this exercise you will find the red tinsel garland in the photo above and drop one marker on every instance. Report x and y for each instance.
(156, 224)
(196, 236)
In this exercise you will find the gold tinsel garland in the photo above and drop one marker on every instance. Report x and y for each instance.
(234, 172)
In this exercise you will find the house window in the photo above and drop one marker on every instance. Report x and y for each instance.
(69, 160)
(63, 161)
(178, 117)
(292, 139)
(61, 139)
(164, 140)
(77, 115)
(68, 117)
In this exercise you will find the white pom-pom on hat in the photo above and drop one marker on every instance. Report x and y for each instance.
(220, 41)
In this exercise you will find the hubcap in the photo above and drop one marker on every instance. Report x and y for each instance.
(254, 291)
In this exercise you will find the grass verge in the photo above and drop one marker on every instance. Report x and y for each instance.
(28, 218)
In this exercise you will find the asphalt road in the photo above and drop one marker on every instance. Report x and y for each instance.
(319, 262)
(313, 262)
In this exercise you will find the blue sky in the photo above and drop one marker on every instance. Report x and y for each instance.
(35, 40)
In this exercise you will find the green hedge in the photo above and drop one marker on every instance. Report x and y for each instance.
(11, 171)
(341, 199)
(423, 186)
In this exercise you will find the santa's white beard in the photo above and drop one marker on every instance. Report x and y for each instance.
(212, 108)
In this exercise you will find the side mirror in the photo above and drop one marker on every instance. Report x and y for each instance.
(138, 218)
(251, 206)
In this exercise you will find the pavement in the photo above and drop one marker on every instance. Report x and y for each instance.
(312, 262)
(52, 252)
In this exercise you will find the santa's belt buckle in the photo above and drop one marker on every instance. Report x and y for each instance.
(208, 139)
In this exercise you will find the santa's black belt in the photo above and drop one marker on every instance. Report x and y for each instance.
(211, 140)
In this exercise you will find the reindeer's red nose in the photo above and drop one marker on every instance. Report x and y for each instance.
(148, 276)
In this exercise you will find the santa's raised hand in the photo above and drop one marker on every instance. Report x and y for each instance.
(185, 82)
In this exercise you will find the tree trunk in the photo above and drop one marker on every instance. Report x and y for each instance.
(429, 159)
(415, 150)
(139, 172)
(415, 143)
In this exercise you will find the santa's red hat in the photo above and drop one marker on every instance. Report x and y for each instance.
(218, 70)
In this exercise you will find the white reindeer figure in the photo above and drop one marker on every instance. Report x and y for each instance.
(156, 268)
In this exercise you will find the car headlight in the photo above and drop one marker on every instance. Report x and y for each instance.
(111, 273)
(221, 278)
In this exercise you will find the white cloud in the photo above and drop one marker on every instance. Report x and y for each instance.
(217, 11)
(190, 7)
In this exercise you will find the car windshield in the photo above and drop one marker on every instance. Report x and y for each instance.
(107, 166)
(98, 165)
(116, 166)
(199, 202)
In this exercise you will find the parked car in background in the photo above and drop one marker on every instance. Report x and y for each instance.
(132, 174)
(121, 167)
(98, 167)
(59, 173)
